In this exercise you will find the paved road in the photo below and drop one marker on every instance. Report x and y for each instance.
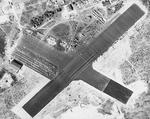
(82, 60)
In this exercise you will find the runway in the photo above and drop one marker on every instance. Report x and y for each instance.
(79, 66)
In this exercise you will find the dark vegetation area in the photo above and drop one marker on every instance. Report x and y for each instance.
(146, 3)
(2, 46)
(48, 14)
(2, 43)
(2, 72)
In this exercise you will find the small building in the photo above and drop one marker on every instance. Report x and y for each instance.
(16, 65)
(70, 7)
(106, 2)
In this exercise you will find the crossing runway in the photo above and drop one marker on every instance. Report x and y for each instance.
(77, 67)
